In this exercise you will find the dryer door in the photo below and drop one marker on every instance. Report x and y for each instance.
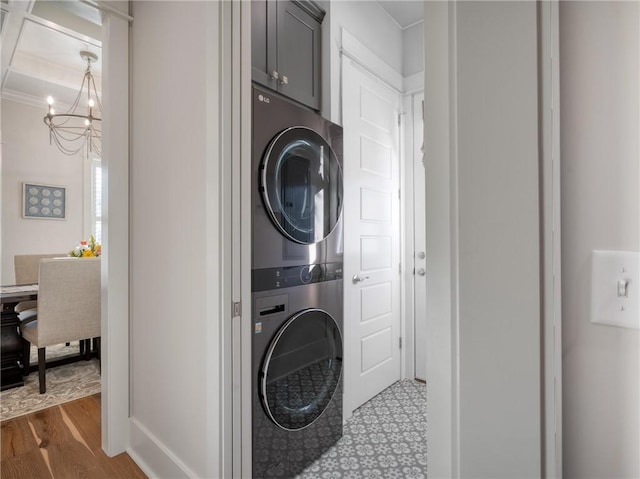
(301, 184)
(302, 369)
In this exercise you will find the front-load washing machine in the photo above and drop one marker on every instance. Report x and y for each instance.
(297, 375)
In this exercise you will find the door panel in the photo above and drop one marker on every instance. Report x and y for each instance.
(370, 112)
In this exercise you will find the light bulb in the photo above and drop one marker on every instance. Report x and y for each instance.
(50, 100)
(87, 122)
(91, 102)
(52, 111)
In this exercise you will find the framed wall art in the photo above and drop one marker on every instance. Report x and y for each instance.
(44, 201)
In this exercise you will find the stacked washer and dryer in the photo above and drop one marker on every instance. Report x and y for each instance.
(297, 296)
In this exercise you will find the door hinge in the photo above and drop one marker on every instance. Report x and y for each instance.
(400, 342)
(237, 309)
(399, 119)
(399, 267)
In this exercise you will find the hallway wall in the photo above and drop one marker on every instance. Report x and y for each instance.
(599, 131)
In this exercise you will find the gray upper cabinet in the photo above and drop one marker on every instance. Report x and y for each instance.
(286, 52)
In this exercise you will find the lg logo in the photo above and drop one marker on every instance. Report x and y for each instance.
(264, 98)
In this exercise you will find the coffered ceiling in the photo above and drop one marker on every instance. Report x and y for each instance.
(41, 44)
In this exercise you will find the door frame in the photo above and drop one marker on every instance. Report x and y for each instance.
(407, 233)
(115, 253)
(443, 460)
(443, 393)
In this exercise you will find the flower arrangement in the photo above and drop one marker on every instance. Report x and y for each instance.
(86, 249)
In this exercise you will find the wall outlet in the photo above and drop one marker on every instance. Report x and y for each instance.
(615, 288)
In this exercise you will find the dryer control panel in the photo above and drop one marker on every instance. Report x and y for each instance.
(286, 277)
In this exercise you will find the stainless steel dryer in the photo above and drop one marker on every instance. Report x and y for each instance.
(297, 375)
(297, 185)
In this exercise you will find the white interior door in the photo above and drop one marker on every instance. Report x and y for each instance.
(372, 250)
(419, 240)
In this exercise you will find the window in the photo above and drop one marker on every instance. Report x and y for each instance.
(93, 198)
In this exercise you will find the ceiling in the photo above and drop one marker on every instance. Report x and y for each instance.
(404, 12)
(41, 44)
(42, 39)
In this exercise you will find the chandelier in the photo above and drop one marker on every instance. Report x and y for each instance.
(79, 127)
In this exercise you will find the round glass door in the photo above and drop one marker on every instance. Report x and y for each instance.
(302, 185)
(301, 370)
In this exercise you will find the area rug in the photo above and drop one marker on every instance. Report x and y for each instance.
(64, 383)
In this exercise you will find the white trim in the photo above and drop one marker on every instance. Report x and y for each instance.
(407, 312)
(413, 83)
(105, 8)
(550, 239)
(411, 25)
(365, 58)
(441, 239)
(158, 460)
(241, 243)
(115, 231)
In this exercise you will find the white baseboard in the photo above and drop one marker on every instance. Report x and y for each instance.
(152, 456)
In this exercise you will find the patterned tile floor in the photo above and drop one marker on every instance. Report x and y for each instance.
(385, 438)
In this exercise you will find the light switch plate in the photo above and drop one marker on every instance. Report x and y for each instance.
(615, 288)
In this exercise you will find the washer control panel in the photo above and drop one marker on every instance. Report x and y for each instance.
(286, 277)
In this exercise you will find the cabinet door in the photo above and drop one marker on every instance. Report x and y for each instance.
(263, 42)
(298, 46)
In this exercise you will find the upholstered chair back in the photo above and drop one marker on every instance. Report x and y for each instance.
(27, 265)
(68, 300)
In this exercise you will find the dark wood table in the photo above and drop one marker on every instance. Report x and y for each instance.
(12, 362)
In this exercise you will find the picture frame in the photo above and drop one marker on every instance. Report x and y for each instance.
(45, 202)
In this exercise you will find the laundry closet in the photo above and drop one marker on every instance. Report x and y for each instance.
(332, 249)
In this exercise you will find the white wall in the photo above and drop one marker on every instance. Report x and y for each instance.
(498, 221)
(600, 130)
(174, 249)
(484, 325)
(27, 156)
(413, 49)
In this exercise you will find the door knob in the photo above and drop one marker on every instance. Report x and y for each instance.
(421, 255)
(358, 279)
(421, 272)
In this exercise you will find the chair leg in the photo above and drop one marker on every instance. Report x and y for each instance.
(97, 343)
(42, 368)
(87, 349)
(26, 354)
(82, 344)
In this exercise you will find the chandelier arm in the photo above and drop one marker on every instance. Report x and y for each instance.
(67, 128)
(64, 149)
(95, 90)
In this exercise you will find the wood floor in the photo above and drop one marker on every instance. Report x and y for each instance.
(59, 443)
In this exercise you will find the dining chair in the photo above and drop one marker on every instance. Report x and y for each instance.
(68, 307)
(26, 272)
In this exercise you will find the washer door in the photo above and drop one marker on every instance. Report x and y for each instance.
(301, 370)
(301, 184)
